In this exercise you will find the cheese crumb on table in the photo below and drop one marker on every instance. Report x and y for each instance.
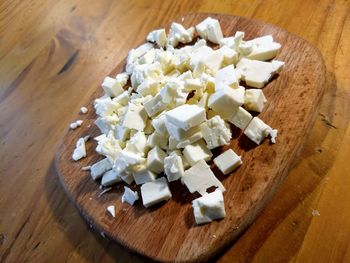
(111, 210)
(227, 161)
(129, 196)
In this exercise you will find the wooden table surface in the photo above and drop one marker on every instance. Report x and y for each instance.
(54, 53)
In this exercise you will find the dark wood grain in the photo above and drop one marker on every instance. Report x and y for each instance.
(168, 232)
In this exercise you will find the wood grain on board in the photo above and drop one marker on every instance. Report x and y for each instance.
(53, 55)
(168, 232)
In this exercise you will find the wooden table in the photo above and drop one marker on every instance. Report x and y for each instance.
(54, 53)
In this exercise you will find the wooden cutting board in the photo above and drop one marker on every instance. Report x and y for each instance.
(167, 232)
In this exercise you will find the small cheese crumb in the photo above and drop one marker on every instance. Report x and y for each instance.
(111, 210)
(79, 151)
(129, 196)
(273, 135)
(86, 168)
(83, 110)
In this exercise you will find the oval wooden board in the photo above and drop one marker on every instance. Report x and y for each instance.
(167, 232)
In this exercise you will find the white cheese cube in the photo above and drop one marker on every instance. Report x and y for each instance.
(143, 175)
(148, 58)
(172, 143)
(254, 100)
(232, 42)
(125, 160)
(137, 144)
(83, 110)
(210, 29)
(156, 139)
(149, 87)
(186, 116)
(214, 61)
(80, 150)
(196, 152)
(112, 87)
(240, 118)
(105, 106)
(135, 117)
(158, 36)
(129, 196)
(227, 161)
(203, 102)
(226, 77)
(264, 48)
(199, 55)
(111, 210)
(100, 167)
(245, 48)
(230, 55)
(186, 75)
(121, 133)
(193, 84)
(209, 207)
(226, 100)
(154, 105)
(178, 34)
(173, 167)
(199, 178)
(108, 146)
(110, 177)
(273, 135)
(191, 138)
(127, 177)
(178, 133)
(155, 160)
(166, 60)
(159, 124)
(257, 130)
(257, 73)
(216, 132)
(155, 192)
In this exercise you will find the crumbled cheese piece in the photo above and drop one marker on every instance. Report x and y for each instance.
(154, 105)
(83, 110)
(137, 144)
(111, 210)
(155, 160)
(86, 168)
(226, 77)
(257, 73)
(257, 130)
(227, 161)
(135, 117)
(196, 152)
(210, 29)
(158, 36)
(209, 207)
(125, 160)
(79, 151)
(254, 100)
(216, 132)
(178, 34)
(273, 135)
(199, 178)
(100, 167)
(233, 42)
(159, 124)
(173, 167)
(264, 48)
(186, 116)
(110, 177)
(240, 118)
(129, 196)
(108, 146)
(155, 192)
(112, 87)
(142, 174)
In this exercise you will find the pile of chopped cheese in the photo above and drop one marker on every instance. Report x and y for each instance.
(161, 118)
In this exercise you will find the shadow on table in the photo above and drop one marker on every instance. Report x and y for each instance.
(88, 243)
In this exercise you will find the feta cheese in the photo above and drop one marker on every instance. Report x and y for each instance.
(192, 137)
(135, 117)
(257, 130)
(199, 178)
(110, 177)
(264, 48)
(227, 161)
(83, 110)
(148, 58)
(100, 167)
(257, 73)
(129, 196)
(226, 100)
(173, 167)
(125, 160)
(210, 29)
(105, 106)
(178, 133)
(216, 132)
(111, 210)
(155, 192)
(156, 139)
(214, 61)
(108, 146)
(112, 87)
(186, 116)
(121, 133)
(196, 152)
(142, 174)
(79, 151)
(254, 100)
(155, 105)
(122, 99)
(233, 42)
(137, 144)
(155, 160)
(73, 125)
(240, 118)
(226, 77)
(178, 34)
(159, 124)
(230, 55)
(273, 135)
(158, 36)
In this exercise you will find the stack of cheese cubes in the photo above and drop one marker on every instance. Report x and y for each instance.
(161, 118)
